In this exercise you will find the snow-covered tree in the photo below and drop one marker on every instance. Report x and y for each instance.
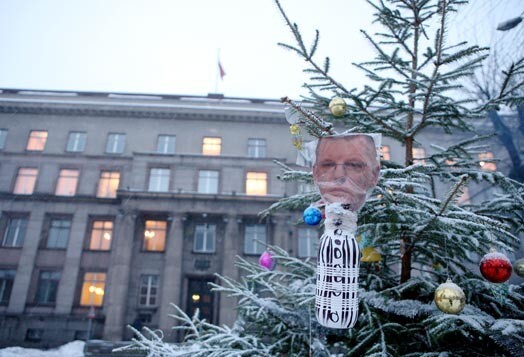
(423, 238)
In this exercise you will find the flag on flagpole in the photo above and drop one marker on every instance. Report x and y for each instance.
(221, 70)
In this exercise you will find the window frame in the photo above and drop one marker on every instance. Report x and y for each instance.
(116, 135)
(30, 137)
(6, 223)
(253, 151)
(106, 190)
(211, 151)
(149, 286)
(246, 182)
(75, 148)
(144, 238)
(200, 171)
(385, 152)
(213, 239)
(49, 229)
(17, 177)
(165, 145)
(159, 179)
(487, 161)
(259, 248)
(50, 282)
(91, 296)
(4, 282)
(311, 242)
(61, 178)
(103, 230)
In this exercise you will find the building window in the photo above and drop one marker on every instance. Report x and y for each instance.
(255, 239)
(37, 140)
(155, 236)
(58, 233)
(305, 187)
(211, 146)
(207, 181)
(307, 242)
(93, 288)
(34, 334)
(76, 141)
(115, 143)
(419, 154)
(256, 183)
(464, 197)
(67, 182)
(15, 232)
(25, 181)
(47, 287)
(7, 277)
(3, 138)
(256, 147)
(204, 238)
(486, 161)
(166, 144)
(159, 180)
(385, 153)
(148, 290)
(200, 296)
(108, 184)
(101, 235)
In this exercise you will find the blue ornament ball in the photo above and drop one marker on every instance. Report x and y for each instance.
(312, 216)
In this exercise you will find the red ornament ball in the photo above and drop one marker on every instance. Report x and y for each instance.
(495, 267)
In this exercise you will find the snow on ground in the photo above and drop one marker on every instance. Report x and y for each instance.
(72, 349)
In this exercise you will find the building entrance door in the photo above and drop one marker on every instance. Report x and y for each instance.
(200, 296)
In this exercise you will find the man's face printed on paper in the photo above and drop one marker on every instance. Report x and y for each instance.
(346, 168)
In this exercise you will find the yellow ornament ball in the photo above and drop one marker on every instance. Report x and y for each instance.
(450, 298)
(337, 107)
(370, 255)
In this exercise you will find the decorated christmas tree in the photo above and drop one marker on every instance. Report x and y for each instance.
(420, 291)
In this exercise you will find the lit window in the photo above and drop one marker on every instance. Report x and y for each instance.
(307, 242)
(58, 233)
(93, 288)
(207, 181)
(101, 235)
(47, 287)
(204, 238)
(7, 277)
(486, 163)
(211, 146)
(384, 152)
(25, 181)
(255, 239)
(3, 138)
(419, 154)
(155, 236)
(256, 147)
(256, 183)
(67, 181)
(115, 143)
(37, 140)
(464, 198)
(166, 144)
(148, 290)
(108, 184)
(76, 141)
(15, 232)
(159, 180)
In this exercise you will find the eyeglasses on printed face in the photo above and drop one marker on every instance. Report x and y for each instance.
(328, 167)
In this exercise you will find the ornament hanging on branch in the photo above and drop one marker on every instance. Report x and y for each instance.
(337, 107)
(495, 267)
(267, 261)
(518, 267)
(345, 170)
(312, 216)
(296, 137)
(450, 298)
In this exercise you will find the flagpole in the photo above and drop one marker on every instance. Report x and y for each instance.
(217, 69)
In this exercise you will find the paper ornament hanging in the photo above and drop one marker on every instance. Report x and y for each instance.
(450, 298)
(296, 138)
(267, 261)
(345, 170)
(337, 107)
(312, 216)
(495, 267)
(370, 255)
(518, 267)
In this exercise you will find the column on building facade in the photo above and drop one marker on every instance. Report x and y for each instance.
(68, 282)
(26, 263)
(115, 301)
(231, 244)
(171, 281)
(281, 228)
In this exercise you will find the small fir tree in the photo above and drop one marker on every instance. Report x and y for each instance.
(423, 238)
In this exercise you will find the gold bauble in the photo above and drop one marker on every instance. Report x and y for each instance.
(337, 107)
(450, 298)
(370, 255)
(518, 267)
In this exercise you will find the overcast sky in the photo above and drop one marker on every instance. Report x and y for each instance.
(153, 46)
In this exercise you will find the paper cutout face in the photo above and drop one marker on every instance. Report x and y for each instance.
(346, 168)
